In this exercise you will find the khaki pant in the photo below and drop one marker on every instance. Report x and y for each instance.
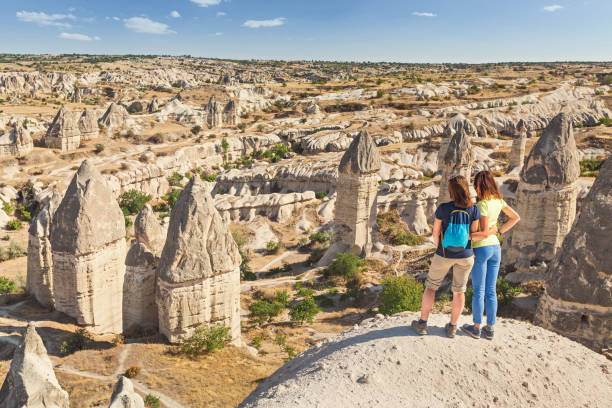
(440, 267)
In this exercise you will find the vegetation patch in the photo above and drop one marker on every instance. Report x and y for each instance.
(395, 231)
(206, 340)
(399, 294)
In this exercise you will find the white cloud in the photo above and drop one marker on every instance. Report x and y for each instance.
(44, 19)
(116, 18)
(218, 33)
(78, 37)
(144, 25)
(221, 13)
(206, 3)
(279, 21)
(552, 8)
(423, 14)
(175, 14)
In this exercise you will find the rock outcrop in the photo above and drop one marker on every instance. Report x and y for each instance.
(382, 363)
(546, 199)
(356, 203)
(88, 125)
(199, 269)
(88, 244)
(457, 161)
(578, 298)
(214, 111)
(277, 207)
(31, 382)
(139, 306)
(230, 114)
(17, 142)
(517, 153)
(64, 133)
(40, 260)
(124, 395)
(114, 117)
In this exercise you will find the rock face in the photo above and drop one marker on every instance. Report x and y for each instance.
(40, 260)
(277, 207)
(383, 363)
(64, 133)
(16, 142)
(230, 114)
(457, 161)
(199, 270)
(88, 125)
(517, 154)
(578, 298)
(215, 113)
(114, 117)
(31, 382)
(124, 395)
(139, 307)
(89, 253)
(356, 203)
(546, 198)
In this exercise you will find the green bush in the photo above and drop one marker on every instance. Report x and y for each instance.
(321, 237)
(321, 194)
(209, 177)
(23, 214)
(8, 208)
(79, 340)
(399, 294)
(196, 129)
(282, 297)
(305, 292)
(273, 247)
(99, 148)
(264, 311)
(345, 265)
(132, 372)
(590, 167)
(245, 268)
(324, 301)
(407, 238)
(380, 93)
(304, 311)
(206, 340)
(13, 225)
(7, 286)
(224, 145)
(280, 338)
(175, 180)
(172, 196)
(15, 250)
(505, 293)
(151, 401)
(133, 201)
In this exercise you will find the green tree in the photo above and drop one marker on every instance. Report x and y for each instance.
(304, 311)
(399, 294)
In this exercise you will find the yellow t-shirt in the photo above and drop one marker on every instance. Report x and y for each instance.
(489, 208)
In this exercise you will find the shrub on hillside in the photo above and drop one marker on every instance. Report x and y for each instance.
(505, 293)
(133, 201)
(399, 294)
(206, 340)
(13, 225)
(590, 167)
(8, 208)
(304, 311)
(273, 247)
(264, 311)
(151, 401)
(7, 286)
(345, 265)
(79, 340)
(132, 372)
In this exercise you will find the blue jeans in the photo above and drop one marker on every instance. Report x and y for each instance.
(484, 279)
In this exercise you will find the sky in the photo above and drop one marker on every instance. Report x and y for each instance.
(470, 31)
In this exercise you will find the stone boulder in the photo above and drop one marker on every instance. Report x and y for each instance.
(578, 298)
(64, 133)
(40, 259)
(88, 125)
(124, 395)
(88, 244)
(31, 382)
(17, 142)
(199, 269)
(356, 207)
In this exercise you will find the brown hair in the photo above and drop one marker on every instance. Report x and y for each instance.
(460, 192)
(485, 186)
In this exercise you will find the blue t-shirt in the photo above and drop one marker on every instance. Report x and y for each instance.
(443, 213)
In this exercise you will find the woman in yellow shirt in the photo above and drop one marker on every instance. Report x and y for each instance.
(487, 253)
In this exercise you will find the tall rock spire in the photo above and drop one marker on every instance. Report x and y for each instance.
(457, 161)
(546, 199)
(88, 244)
(578, 282)
(356, 203)
(517, 154)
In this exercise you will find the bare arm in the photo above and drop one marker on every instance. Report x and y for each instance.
(480, 229)
(513, 216)
(435, 234)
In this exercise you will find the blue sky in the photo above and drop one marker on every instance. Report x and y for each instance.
(349, 30)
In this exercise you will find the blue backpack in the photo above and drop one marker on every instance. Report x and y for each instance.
(457, 234)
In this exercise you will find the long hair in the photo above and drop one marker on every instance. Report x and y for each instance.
(485, 186)
(460, 192)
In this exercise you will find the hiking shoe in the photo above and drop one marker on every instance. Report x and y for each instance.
(471, 330)
(488, 332)
(419, 328)
(450, 330)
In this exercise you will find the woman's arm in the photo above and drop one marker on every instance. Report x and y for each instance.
(479, 229)
(435, 234)
(513, 216)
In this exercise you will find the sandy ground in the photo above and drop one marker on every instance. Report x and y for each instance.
(382, 363)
